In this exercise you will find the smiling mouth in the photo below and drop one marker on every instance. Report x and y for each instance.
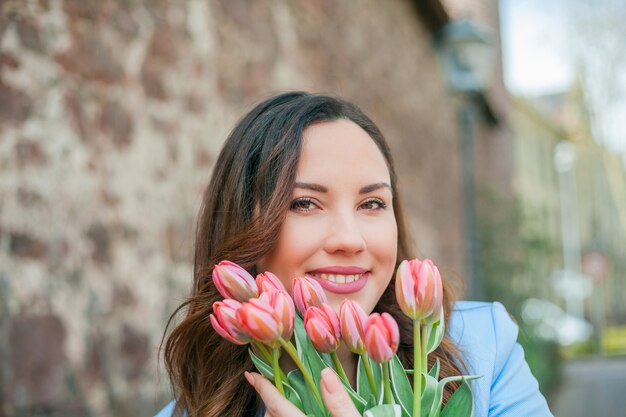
(338, 278)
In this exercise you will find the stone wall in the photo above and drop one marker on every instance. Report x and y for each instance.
(111, 116)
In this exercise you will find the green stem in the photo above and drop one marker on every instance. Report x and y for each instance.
(425, 332)
(277, 379)
(370, 375)
(266, 353)
(417, 365)
(267, 356)
(339, 368)
(387, 383)
(293, 353)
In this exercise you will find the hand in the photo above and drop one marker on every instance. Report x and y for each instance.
(334, 394)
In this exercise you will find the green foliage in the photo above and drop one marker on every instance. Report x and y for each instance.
(362, 384)
(299, 392)
(517, 257)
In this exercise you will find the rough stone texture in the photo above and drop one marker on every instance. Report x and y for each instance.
(111, 116)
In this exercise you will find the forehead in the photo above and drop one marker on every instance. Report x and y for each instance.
(340, 150)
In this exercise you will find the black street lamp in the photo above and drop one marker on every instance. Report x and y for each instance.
(467, 53)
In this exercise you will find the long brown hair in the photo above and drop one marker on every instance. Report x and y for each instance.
(240, 219)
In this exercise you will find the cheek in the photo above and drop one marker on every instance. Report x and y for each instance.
(296, 244)
(383, 242)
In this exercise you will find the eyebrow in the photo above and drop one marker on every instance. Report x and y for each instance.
(321, 189)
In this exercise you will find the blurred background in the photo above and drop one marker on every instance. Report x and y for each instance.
(507, 121)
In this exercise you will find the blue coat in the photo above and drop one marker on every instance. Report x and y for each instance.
(487, 339)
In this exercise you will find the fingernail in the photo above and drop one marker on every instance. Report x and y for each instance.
(249, 378)
(330, 381)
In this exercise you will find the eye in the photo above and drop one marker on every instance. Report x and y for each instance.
(373, 204)
(303, 204)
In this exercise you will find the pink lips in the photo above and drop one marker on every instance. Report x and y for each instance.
(340, 270)
(345, 288)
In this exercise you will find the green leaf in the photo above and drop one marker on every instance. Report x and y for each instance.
(428, 394)
(316, 364)
(371, 402)
(302, 341)
(400, 386)
(309, 404)
(362, 384)
(268, 372)
(263, 367)
(359, 402)
(436, 407)
(434, 371)
(435, 336)
(385, 410)
(461, 403)
(293, 396)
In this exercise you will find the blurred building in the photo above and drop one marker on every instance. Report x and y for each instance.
(111, 117)
(540, 123)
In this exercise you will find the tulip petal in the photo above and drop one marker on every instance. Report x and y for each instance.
(320, 335)
(405, 289)
(392, 329)
(307, 293)
(232, 281)
(267, 280)
(352, 319)
(332, 319)
(260, 321)
(377, 345)
(225, 334)
(225, 322)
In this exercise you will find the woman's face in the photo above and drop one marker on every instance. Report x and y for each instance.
(341, 227)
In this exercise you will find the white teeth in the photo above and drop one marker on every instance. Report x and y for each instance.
(340, 279)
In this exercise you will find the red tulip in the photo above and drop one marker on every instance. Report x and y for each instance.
(282, 304)
(322, 327)
(418, 288)
(352, 321)
(224, 321)
(307, 293)
(437, 313)
(232, 281)
(260, 321)
(382, 337)
(267, 281)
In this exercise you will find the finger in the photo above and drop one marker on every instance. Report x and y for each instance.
(277, 405)
(335, 396)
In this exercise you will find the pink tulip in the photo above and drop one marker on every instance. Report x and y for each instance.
(352, 321)
(282, 304)
(260, 321)
(437, 304)
(382, 337)
(232, 281)
(322, 327)
(307, 293)
(267, 281)
(418, 288)
(224, 321)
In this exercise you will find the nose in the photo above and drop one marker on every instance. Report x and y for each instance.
(345, 235)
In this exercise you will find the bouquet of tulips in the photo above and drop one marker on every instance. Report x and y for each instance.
(260, 312)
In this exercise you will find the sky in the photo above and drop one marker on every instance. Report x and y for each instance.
(535, 51)
(538, 56)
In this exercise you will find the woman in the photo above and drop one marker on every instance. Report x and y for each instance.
(305, 185)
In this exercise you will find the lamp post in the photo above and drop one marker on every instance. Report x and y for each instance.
(467, 53)
(569, 282)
